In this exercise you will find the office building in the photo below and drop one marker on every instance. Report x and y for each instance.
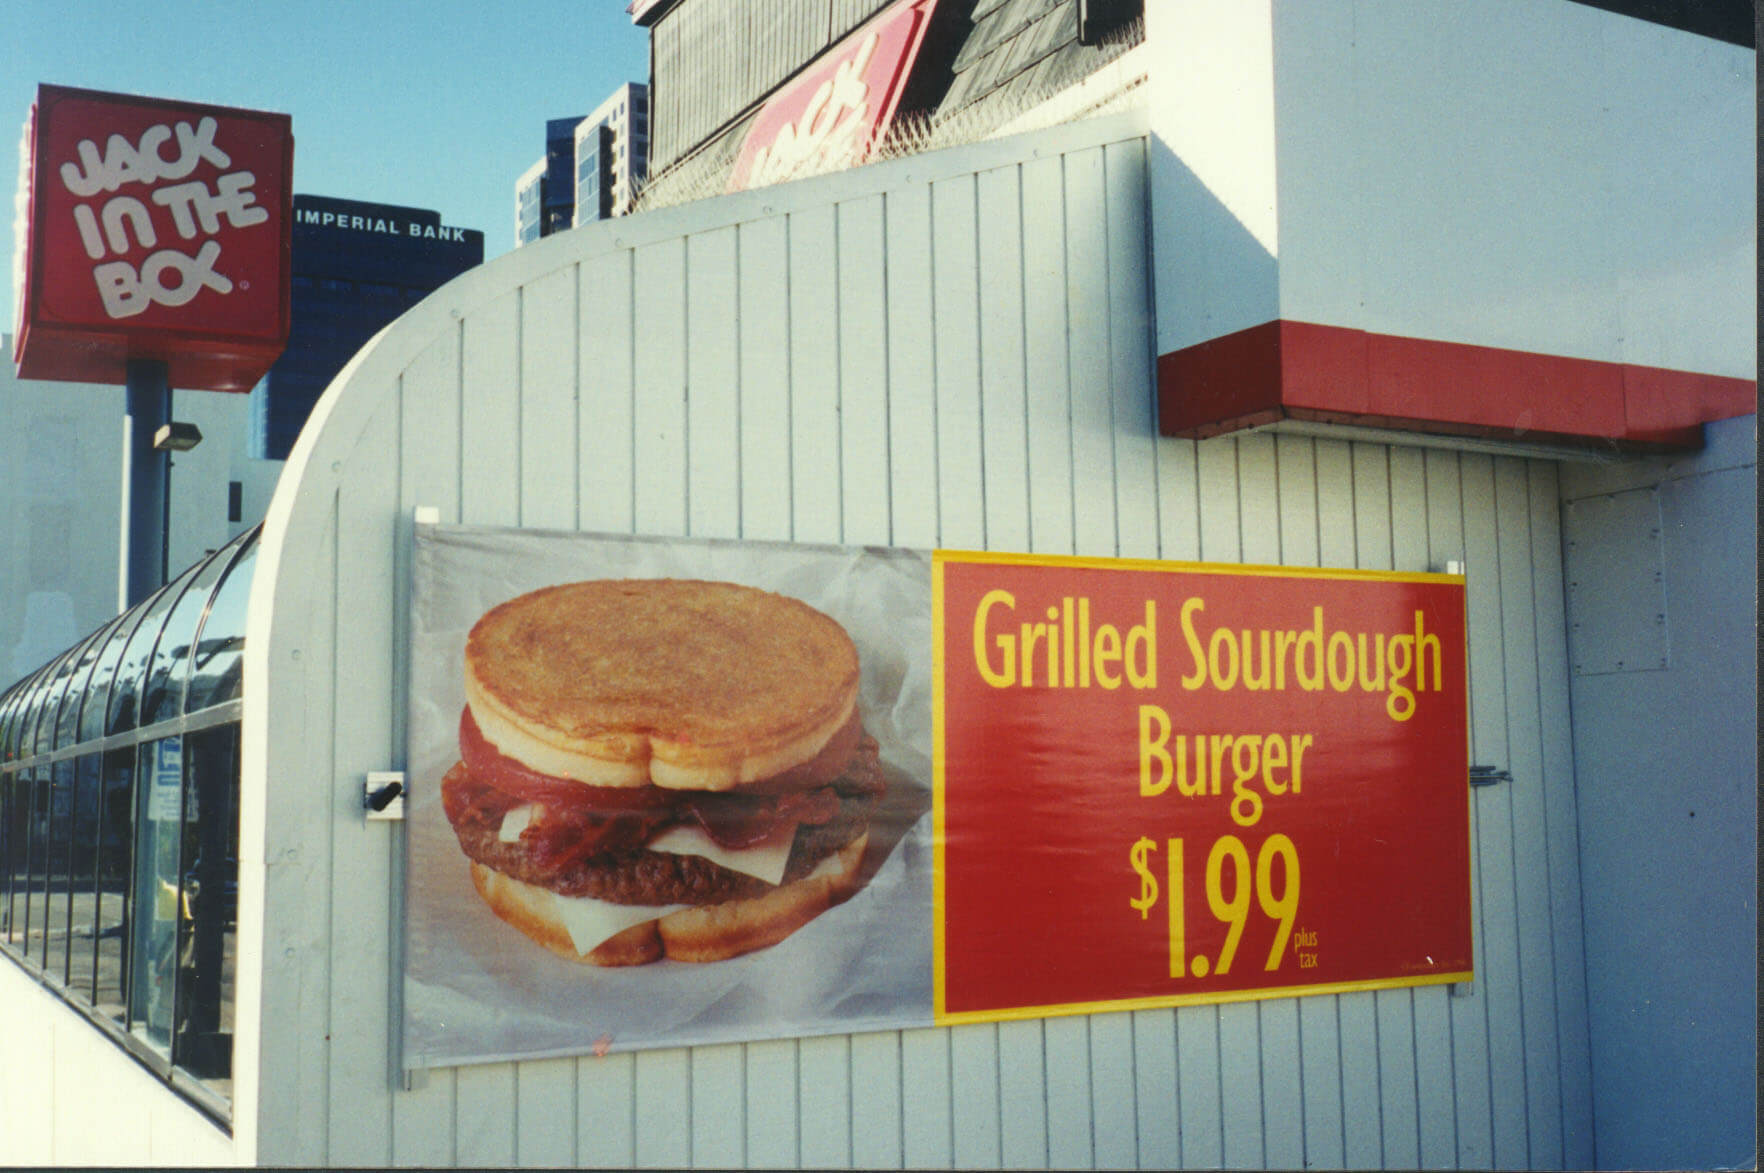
(612, 154)
(545, 194)
(592, 168)
(356, 266)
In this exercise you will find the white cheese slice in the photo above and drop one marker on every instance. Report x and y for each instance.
(590, 921)
(829, 865)
(516, 821)
(765, 861)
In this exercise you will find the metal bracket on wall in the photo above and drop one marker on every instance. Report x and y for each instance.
(1489, 775)
(383, 795)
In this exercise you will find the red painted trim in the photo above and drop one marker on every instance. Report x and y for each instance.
(1303, 370)
(1236, 377)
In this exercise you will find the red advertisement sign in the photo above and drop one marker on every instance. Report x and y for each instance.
(1159, 783)
(835, 112)
(159, 230)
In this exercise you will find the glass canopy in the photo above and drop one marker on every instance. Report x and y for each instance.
(173, 654)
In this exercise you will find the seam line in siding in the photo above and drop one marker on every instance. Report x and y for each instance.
(520, 438)
(1526, 1075)
(1108, 267)
(686, 385)
(979, 360)
(576, 390)
(887, 389)
(790, 365)
(631, 394)
(1023, 366)
(936, 382)
(740, 372)
(838, 377)
(1066, 359)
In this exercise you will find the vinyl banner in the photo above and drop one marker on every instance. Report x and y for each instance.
(676, 791)
(518, 872)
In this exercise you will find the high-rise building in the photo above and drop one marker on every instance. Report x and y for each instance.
(529, 194)
(545, 194)
(612, 154)
(356, 266)
(591, 169)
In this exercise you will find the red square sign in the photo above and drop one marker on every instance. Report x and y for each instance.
(156, 230)
(1163, 783)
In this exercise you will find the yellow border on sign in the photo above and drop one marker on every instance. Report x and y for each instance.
(939, 557)
(939, 834)
(1086, 561)
(944, 1018)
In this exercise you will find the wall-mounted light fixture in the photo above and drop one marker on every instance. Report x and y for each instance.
(177, 437)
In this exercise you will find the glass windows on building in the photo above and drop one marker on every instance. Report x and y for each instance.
(529, 196)
(119, 825)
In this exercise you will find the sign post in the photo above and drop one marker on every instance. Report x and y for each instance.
(148, 405)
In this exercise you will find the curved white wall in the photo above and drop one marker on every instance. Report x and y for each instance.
(952, 349)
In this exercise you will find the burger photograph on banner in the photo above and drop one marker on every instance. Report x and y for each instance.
(663, 792)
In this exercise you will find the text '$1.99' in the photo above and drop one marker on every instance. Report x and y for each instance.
(1232, 883)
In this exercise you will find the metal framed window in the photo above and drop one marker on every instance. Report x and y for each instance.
(119, 782)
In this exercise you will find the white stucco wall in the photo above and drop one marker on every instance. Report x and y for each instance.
(1663, 563)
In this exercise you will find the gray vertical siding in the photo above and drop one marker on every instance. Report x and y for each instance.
(948, 350)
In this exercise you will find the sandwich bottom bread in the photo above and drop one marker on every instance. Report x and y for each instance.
(660, 768)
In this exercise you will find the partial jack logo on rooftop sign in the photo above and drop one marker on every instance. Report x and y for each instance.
(835, 114)
(153, 229)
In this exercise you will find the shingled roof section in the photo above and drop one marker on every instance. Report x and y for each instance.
(1020, 51)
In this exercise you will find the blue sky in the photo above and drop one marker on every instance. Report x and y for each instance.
(428, 103)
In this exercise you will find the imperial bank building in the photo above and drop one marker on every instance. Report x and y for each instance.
(1286, 472)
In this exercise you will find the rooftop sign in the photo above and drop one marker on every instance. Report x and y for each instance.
(153, 229)
(835, 112)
